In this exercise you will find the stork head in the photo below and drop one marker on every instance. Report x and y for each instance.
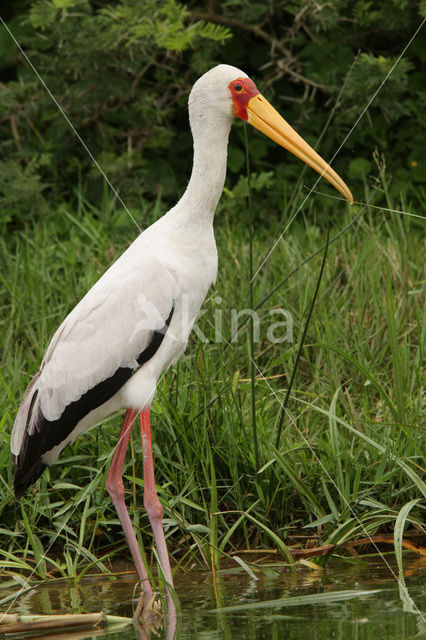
(229, 92)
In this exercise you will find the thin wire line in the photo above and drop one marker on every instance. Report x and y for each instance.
(150, 246)
(373, 206)
(133, 219)
(341, 144)
(283, 408)
(303, 336)
(312, 450)
(320, 137)
(69, 122)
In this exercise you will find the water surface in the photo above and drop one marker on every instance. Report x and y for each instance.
(355, 598)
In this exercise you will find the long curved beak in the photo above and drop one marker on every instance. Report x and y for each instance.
(263, 116)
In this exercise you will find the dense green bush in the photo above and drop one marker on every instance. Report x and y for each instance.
(122, 72)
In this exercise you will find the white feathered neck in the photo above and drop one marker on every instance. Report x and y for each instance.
(210, 115)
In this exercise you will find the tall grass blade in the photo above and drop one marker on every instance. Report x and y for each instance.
(302, 342)
(276, 539)
(398, 534)
(251, 306)
(393, 341)
(408, 470)
(245, 566)
(301, 601)
(215, 556)
(368, 375)
(36, 545)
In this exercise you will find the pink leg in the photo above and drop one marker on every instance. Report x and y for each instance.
(152, 504)
(115, 488)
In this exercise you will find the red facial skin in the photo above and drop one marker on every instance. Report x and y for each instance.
(241, 98)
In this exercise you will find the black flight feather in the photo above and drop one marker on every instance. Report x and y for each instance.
(50, 433)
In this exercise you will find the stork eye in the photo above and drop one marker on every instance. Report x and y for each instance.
(238, 87)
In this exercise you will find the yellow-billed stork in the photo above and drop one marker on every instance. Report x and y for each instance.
(135, 321)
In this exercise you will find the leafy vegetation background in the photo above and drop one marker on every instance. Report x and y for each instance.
(121, 72)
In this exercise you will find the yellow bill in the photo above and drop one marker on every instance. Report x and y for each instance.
(263, 116)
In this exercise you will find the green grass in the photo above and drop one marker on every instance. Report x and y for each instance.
(350, 458)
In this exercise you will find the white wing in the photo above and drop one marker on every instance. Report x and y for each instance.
(109, 328)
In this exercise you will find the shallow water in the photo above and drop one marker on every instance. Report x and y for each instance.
(351, 599)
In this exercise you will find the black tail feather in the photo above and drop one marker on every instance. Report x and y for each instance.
(26, 477)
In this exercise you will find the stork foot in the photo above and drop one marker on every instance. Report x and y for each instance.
(148, 607)
(149, 617)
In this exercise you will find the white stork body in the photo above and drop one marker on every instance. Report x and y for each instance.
(164, 269)
(135, 321)
(170, 265)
